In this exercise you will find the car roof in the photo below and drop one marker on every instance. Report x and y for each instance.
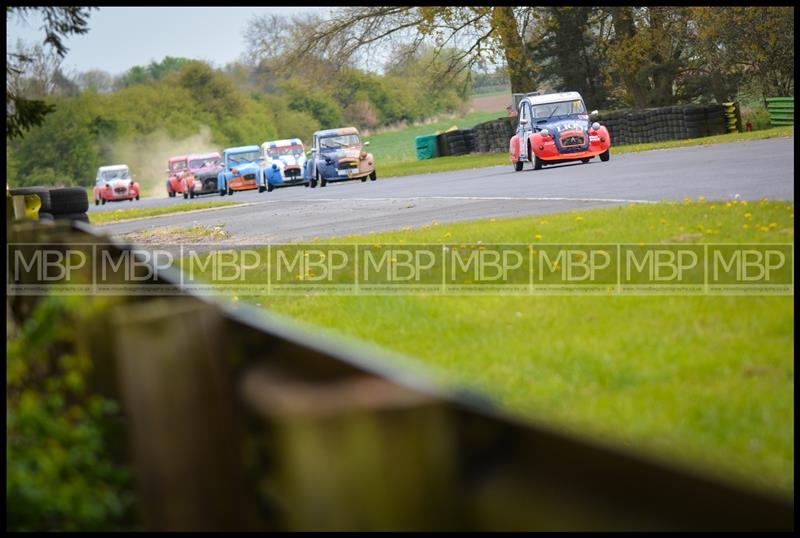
(112, 167)
(281, 143)
(337, 132)
(242, 149)
(178, 158)
(552, 98)
(193, 156)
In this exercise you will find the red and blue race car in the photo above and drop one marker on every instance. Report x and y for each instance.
(555, 128)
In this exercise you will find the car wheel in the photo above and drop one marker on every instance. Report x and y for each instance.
(270, 187)
(103, 201)
(261, 189)
(230, 191)
(518, 166)
(537, 163)
(222, 192)
(137, 197)
(322, 181)
(586, 160)
(373, 175)
(43, 194)
(605, 156)
(191, 194)
(185, 195)
(97, 201)
(130, 199)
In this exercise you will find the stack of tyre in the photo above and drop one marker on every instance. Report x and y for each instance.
(493, 136)
(456, 142)
(64, 203)
(637, 126)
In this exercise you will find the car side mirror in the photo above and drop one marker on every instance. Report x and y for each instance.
(523, 121)
(593, 113)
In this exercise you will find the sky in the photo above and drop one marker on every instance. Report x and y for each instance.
(121, 37)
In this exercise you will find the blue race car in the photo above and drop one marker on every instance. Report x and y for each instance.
(241, 170)
(338, 155)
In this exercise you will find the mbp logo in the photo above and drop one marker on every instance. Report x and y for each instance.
(46, 264)
(747, 265)
(399, 264)
(662, 265)
(575, 265)
(315, 266)
(488, 265)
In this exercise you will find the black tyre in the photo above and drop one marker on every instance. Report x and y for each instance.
(185, 194)
(364, 179)
(373, 175)
(137, 197)
(68, 200)
(518, 166)
(606, 155)
(45, 215)
(222, 192)
(41, 192)
(97, 201)
(230, 191)
(586, 160)
(537, 163)
(322, 182)
(261, 189)
(102, 201)
(80, 216)
(270, 187)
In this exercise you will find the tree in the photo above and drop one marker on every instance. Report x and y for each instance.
(482, 33)
(757, 42)
(59, 22)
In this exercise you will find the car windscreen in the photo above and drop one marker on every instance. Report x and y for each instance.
(113, 174)
(200, 163)
(295, 150)
(561, 108)
(245, 157)
(178, 165)
(340, 141)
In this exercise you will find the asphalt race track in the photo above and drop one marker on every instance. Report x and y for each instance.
(753, 170)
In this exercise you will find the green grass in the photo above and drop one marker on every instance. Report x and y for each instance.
(127, 214)
(393, 168)
(705, 381)
(400, 144)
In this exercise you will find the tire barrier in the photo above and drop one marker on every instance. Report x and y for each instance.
(638, 126)
(733, 117)
(781, 110)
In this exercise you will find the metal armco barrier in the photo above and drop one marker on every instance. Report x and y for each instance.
(781, 110)
(240, 421)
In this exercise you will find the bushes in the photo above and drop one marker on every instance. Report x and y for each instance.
(60, 474)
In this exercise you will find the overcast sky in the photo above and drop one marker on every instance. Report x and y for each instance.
(121, 37)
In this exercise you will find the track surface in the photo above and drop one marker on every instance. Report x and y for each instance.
(753, 170)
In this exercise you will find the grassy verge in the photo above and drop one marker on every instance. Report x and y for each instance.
(703, 380)
(127, 214)
(394, 168)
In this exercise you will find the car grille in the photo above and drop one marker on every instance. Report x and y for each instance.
(120, 190)
(348, 165)
(573, 140)
(292, 172)
(249, 177)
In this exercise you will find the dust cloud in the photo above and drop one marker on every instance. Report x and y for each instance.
(147, 156)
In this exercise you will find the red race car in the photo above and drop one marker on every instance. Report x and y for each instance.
(177, 168)
(114, 184)
(556, 128)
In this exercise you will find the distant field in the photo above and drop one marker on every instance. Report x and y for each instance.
(400, 145)
(493, 101)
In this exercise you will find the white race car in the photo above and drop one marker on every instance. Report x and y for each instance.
(284, 163)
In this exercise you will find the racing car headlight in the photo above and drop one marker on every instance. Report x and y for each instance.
(595, 126)
(545, 133)
(131, 183)
(274, 166)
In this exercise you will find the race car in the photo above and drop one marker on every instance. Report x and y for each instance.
(241, 170)
(555, 128)
(114, 184)
(177, 167)
(284, 162)
(338, 155)
(204, 168)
